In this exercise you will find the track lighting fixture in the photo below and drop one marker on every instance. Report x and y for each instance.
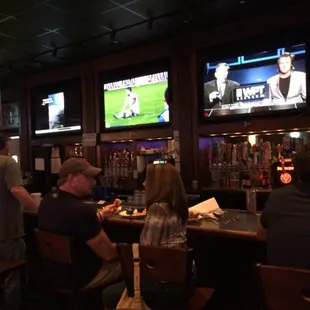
(150, 24)
(54, 52)
(113, 37)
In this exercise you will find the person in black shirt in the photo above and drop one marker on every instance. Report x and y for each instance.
(64, 212)
(285, 221)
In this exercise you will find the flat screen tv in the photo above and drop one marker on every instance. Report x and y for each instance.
(258, 83)
(137, 101)
(57, 108)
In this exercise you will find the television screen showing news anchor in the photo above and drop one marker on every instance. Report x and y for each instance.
(261, 82)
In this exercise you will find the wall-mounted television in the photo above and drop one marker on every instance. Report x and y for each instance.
(57, 108)
(259, 83)
(137, 101)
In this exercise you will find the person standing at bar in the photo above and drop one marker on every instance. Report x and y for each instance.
(12, 245)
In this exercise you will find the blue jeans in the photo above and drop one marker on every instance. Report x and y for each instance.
(12, 250)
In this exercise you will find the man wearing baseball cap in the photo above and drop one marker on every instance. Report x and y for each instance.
(64, 212)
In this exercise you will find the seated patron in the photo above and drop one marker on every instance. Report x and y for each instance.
(166, 204)
(286, 217)
(165, 223)
(64, 212)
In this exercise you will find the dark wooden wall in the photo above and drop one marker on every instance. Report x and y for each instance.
(184, 53)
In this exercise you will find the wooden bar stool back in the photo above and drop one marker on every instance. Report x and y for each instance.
(164, 272)
(61, 249)
(285, 288)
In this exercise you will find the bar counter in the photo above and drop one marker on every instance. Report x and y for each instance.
(236, 224)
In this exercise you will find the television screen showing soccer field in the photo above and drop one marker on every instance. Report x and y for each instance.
(138, 101)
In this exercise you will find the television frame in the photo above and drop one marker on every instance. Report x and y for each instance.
(246, 47)
(134, 71)
(57, 88)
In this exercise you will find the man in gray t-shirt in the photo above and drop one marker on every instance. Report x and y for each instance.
(12, 196)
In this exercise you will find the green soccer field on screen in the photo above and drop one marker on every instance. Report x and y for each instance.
(151, 101)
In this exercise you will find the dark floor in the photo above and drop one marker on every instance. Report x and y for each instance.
(35, 302)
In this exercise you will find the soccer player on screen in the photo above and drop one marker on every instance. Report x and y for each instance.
(131, 105)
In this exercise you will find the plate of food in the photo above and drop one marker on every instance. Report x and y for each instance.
(133, 213)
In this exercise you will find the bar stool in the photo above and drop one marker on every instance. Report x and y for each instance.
(285, 288)
(6, 267)
(60, 249)
(165, 273)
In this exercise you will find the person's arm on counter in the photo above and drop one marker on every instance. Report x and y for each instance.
(14, 183)
(267, 216)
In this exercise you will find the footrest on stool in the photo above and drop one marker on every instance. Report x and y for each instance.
(9, 266)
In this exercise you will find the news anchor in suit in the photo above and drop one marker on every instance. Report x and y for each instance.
(289, 86)
(220, 90)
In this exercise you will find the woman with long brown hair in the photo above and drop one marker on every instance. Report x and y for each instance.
(167, 210)
(165, 225)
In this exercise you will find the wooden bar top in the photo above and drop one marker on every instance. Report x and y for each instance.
(245, 227)
(236, 224)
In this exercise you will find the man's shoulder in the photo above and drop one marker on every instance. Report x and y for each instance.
(7, 160)
(62, 204)
(299, 74)
(233, 83)
(60, 197)
(284, 192)
(273, 79)
(210, 83)
(279, 191)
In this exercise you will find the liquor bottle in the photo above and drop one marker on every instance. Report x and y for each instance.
(246, 180)
(264, 179)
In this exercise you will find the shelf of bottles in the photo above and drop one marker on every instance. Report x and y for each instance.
(75, 150)
(124, 161)
(245, 161)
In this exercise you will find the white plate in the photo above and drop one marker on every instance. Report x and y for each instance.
(134, 215)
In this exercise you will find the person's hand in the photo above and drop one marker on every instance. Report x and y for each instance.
(213, 95)
(108, 211)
